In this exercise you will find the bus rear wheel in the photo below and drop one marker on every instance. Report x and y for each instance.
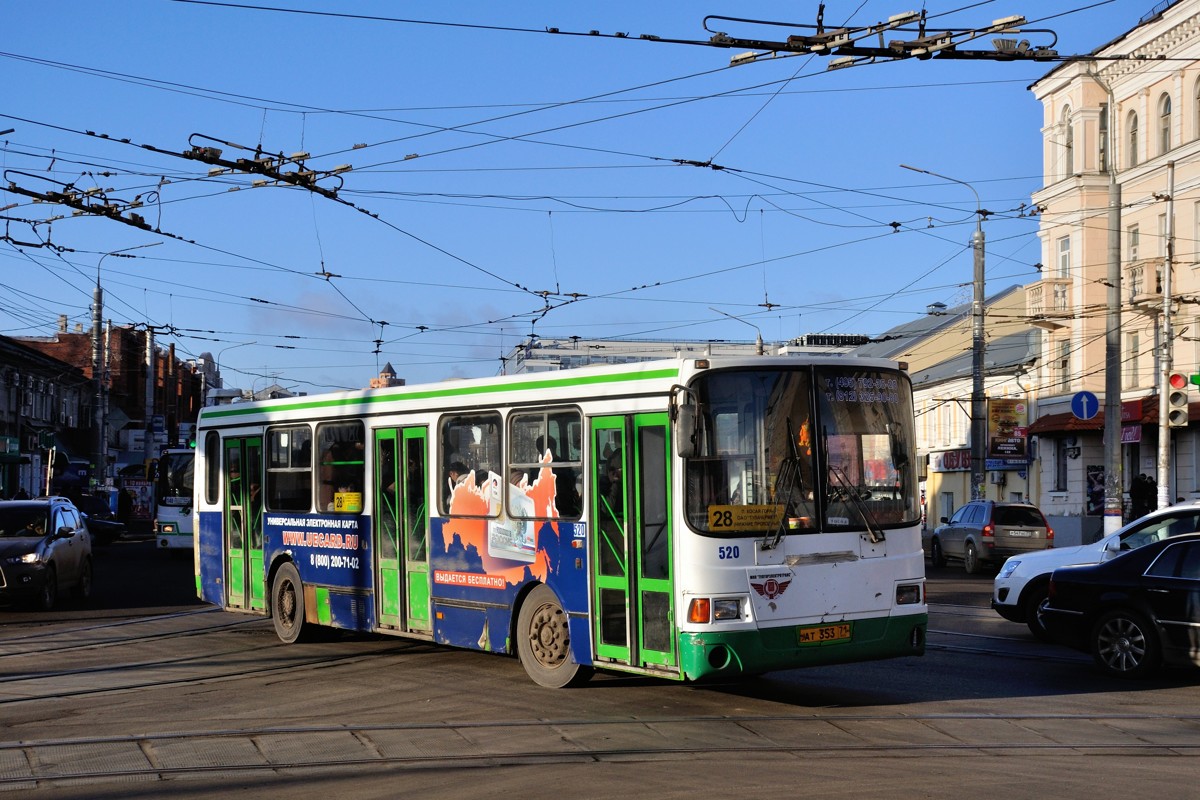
(287, 605)
(544, 642)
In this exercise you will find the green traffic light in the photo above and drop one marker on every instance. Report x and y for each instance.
(1194, 379)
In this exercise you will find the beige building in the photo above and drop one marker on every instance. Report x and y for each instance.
(1131, 115)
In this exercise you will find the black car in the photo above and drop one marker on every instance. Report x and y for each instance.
(45, 548)
(1134, 612)
(102, 523)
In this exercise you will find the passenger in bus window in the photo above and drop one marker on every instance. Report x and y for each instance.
(613, 487)
(456, 473)
(325, 493)
(566, 492)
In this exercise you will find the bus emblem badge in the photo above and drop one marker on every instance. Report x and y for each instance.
(771, 588)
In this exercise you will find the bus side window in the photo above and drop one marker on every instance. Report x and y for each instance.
(342, 469)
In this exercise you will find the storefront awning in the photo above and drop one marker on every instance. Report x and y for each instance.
(1069, 423)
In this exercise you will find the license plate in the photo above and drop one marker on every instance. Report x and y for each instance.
(818, 634)
(1021, 534)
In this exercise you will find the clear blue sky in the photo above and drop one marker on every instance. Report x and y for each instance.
(544, 195)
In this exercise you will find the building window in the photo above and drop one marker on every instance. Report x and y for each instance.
(1131, 240)
(1164, 123)
(1064, 258)
(1132, 360)
(1103, 137)
(1068, 143)
(1060, 465)
(1133, 139)
(1063, 365)
(1196, 106)
(946, 503)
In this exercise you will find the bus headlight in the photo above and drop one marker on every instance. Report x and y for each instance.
(727, 609)
(168, 527)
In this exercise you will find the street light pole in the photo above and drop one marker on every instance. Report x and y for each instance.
(217, 364)
(100, 412)
(759, 347)
(978, 398)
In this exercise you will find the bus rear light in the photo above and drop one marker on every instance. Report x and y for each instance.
(727, 609)
(908, 594)
(699, 610)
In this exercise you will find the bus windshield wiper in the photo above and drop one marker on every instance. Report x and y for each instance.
(853, 497)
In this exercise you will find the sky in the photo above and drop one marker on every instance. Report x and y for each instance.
(482, 179)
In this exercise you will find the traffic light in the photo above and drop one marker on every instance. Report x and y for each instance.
(1177, 400)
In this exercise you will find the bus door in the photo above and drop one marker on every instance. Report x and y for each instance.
(243, 525)
(401, 529)
(632, 540)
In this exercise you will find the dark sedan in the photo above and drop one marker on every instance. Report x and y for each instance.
(1133, 613)
(102, 523)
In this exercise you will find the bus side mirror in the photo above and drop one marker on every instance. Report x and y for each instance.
(685, 430)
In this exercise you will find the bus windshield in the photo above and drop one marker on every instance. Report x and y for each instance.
(808, 449)
(175, 471)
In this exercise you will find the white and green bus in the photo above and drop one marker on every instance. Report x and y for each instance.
(173, 490)
(687, 519)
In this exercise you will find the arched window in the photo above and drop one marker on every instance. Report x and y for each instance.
(1196, 106)
(1132, 127)
(1068, 143)
(1164, 123)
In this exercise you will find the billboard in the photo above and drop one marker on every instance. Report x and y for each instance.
(1007, 429)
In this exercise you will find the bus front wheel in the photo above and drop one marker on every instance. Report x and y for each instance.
(287, 604)
(544, 642)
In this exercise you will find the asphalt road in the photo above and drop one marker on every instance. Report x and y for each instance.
(147, 693)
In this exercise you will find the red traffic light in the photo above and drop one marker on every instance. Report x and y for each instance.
(1178, 380)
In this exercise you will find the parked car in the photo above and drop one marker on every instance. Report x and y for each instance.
(1134, 612)
(986, 532)
(102, 523)
(1023, 582)
(45, 549)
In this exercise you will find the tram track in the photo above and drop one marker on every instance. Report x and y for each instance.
(411, 746)
(108, 634)
(143, 675)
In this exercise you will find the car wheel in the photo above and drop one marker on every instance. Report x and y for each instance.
(1125, 644)
(1037, 596)
(49, 594)
(970, 558)
(83, 589)
(936, 557)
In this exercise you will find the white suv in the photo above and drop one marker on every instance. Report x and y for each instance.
(1021, 585)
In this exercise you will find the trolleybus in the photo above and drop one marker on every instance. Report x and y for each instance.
(173, 490)
(688, 519)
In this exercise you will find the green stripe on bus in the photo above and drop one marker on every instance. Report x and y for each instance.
(452, 391)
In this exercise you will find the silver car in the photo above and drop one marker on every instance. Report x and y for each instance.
(986, 532)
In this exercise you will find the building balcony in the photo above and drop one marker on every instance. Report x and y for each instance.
(1143, 282)
(1049, 298)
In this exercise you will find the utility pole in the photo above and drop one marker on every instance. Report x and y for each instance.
(1168, 350)
(100, 367)
(978, 396)
(1114, 482)
(151, 368)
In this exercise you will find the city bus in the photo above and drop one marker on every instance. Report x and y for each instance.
(173, 486)
(690, 519)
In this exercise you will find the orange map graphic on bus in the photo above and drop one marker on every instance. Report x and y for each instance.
(482, 501)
